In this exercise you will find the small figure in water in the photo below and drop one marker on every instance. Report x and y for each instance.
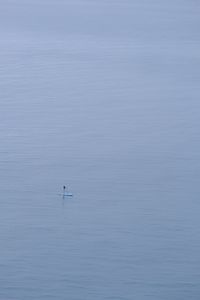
(64, 187)
(66, 192)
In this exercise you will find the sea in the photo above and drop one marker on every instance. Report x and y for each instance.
(104, 98)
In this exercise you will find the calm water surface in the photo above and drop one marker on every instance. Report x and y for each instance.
(102, 96)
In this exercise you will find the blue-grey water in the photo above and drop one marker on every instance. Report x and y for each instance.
(104, 97)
